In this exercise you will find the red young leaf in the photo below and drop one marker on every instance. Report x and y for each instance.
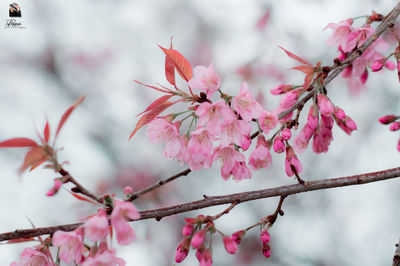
(20, 240)
(153, 87)
(67, 114)
(307, 80)
(33, 158)
(170, 69)
(18, 143)
(146, 118)
(46, 132)
(180, 63)
(79, 197)
(304, 69)
(295, 57)
(156, 103)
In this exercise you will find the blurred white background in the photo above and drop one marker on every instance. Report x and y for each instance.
(97, 49)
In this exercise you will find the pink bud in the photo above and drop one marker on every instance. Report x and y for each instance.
(198, 239)
(364, 76)
(390, 65)
(237, 236)
(266, 251)
(398, 145)
(324, 104)
(55, 188)
(182, 250)
(286, 134)
(279, 145)
(230, 245)
(377, 65)
(292, 162)
(394, 126)
(187, 230)
(128, 191)
(264, 236)
(387, 119)
(281, 89)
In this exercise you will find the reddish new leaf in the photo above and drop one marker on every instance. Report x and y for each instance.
(170, 70)
(304, 69)
(295, 57)
(146, 118)
(67, 114)
(79, 197)
(156, 103)
(152, 87)
(181, 64)
(18, 143)
(308, 79)
(46, 132)
(33, 158)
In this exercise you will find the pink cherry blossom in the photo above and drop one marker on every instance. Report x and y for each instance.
(323, 136)
(198, 238)
(236, 131)
(394, 126)
(97, 227)
(187, 230)
(205, 79)
(161, 130)
(70, 244)
(377, 65)
(241, 171)
(230, 245)
(289, 99)
(229, 157)
(281, 89)
(344, 121)
(324, 104)
(245, 105)
(201, 141)
(266, 251)
(55, 188)
(105, 258)
(121, 214)
(34, 257)
(292, 162)
(279, 145)
(341, 31)
(174, 147)
(267, 121)
(237, 236)
(128, 190)
(387, 119)
(204, 256)
(182, 250)
(264, 236)
(213, 115)
(260, 157)
(286, 134)
(302, 140)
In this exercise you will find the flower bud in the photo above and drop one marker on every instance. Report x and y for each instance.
(324, 104)
(230, 245)
(394, 126)
(279, 145)
(377, 65)
(237, 236)
(286, 134)
(198, 238)
(387, 119)
(187, 230)
(182, 250)
(264, 236)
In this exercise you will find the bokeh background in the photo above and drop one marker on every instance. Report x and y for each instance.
(97, 49)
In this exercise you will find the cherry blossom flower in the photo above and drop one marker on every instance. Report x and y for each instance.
(241, 171)
(344, 121)
(229, 157)
(104, 259)
(230, 244)
(213, 115)
(198, 238)
(292, 162)
(205, 79)
(260, 157)
(34, 257)
(302, 140)
(121, 214)
(97, 227)
(236, 131)
(161, 130)
(267, 121)
(324, 105)
(289, 99)
(245, 105)
(340, 33)
(264, 236)
(182, 250)
(188, 229)
(70, 244)
(323, 135)
(279, 145)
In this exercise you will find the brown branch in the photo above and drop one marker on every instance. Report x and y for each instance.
(158, 184)
(388, 22)
(226, 211)
(226, 199)
(78, 187)
(396, 257)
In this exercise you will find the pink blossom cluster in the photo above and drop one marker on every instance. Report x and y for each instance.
(73, 249)
(394, 125)
(195, 237)
(348, 39)
(222, 130)
(320, 120)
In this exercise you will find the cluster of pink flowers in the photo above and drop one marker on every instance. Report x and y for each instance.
(321, 129)
(195, 236)
(394, 125)
(348, 39)
(223, 127)
(73, 249)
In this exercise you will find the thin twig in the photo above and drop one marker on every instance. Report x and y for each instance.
(158, 184)
(78, 187)
(226, 199)
(226, 211)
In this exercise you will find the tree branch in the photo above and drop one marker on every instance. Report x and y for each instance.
(282, 191)
(388, 22)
